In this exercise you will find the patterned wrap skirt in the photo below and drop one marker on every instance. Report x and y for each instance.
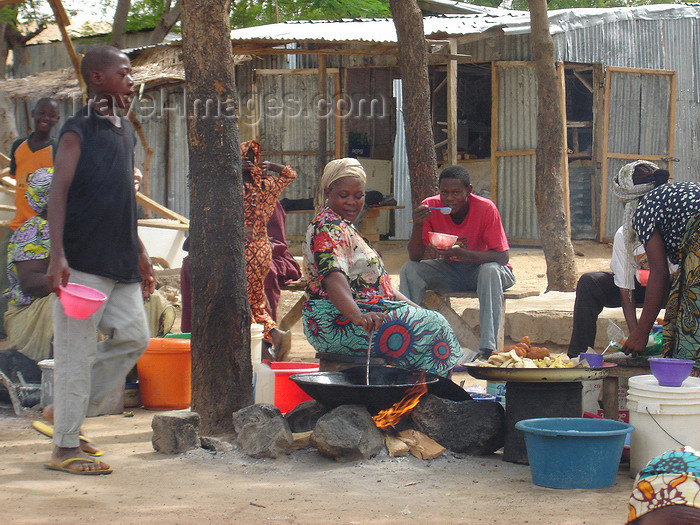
(412, 338)
(681, 336)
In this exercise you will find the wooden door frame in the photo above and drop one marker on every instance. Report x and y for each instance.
(605, 154)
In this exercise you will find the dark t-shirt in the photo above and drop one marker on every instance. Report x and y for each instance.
(100, 235)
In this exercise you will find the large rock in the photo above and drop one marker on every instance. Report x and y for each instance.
(472, 427)
(262, 432)
(347, 433)
(175, 432)
(304, 417)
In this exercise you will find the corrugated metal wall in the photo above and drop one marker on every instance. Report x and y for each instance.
(653, 44)
(402, 181)
(517, 119)
(639, 124)
(294, 129)
(33, 59)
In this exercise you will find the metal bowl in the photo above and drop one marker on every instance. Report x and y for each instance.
(388, 385)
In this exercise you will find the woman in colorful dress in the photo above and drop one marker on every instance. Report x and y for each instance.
(351, 300)
(667, 490)
(666, 221)
(261, 191)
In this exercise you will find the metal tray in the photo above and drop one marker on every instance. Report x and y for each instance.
(529, 375)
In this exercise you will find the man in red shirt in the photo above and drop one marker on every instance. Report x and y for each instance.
(477, 262)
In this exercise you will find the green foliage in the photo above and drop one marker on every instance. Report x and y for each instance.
(245, 13)
(24, 13)
(144, 14)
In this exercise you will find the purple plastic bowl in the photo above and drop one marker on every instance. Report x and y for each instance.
(594, 360)
(669, 371)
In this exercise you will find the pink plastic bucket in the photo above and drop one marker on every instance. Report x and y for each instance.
(79, 301)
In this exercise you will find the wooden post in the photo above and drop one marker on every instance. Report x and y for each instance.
(322, 120)
(452, 105)
(62, 21)
(148, 155)
(339, 129)
(561, 74)
(494, 132)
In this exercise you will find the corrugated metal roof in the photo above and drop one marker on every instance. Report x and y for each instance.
(382, 30)
(456, 6)
(373, 30)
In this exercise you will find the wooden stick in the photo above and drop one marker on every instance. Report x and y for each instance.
(148, 155)
(159, 209)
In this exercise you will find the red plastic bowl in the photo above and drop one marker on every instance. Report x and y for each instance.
(79, 301)
(643, 277)
(669, 371)
(442, 241)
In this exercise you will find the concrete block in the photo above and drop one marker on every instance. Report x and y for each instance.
(175, 432)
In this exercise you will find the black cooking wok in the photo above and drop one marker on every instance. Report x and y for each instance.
(388, 385)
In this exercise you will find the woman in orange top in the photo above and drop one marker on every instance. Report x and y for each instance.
(261, 193)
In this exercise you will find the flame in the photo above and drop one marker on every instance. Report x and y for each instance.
(392, 415)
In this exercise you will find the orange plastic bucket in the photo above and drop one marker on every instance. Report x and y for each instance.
(165, 374)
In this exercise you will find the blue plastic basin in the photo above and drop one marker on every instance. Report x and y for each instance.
(573, 452)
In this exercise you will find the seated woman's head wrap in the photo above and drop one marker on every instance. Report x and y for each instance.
(673, 478)
(339, 169)
(38, 186)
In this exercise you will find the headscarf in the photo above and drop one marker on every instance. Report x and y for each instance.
(339, 169)
(628, 193)
(38, 186)
(257, 171)
(673, 478)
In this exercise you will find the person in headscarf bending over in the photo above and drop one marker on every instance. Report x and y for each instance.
(617, 288)
(351, 301)
(666, 221)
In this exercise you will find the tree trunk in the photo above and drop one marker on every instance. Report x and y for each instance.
(119, 23)
(221, 369)
(4, 50)
(549, 190)
(413, 61)
(166, 23)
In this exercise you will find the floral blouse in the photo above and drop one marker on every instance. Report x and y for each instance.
(30, 242)
(334, 245)
(668, 208)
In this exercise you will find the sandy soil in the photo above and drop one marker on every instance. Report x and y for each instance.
(204, 487)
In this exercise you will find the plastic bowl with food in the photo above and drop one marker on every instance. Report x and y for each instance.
(442, 241)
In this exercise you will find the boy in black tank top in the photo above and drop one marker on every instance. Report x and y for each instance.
(94, 242)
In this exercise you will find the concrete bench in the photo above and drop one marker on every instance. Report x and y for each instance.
(467, 335)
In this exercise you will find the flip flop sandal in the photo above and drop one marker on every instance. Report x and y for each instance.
(47, 430)
(64, 467)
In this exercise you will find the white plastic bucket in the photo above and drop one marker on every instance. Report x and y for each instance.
(256, 339)
(46, 367)
(657, 411)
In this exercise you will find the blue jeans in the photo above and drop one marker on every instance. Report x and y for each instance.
(489, 280)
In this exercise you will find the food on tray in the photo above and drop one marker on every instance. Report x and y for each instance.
(522, 355)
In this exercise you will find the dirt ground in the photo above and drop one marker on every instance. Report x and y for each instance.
(225, 487)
